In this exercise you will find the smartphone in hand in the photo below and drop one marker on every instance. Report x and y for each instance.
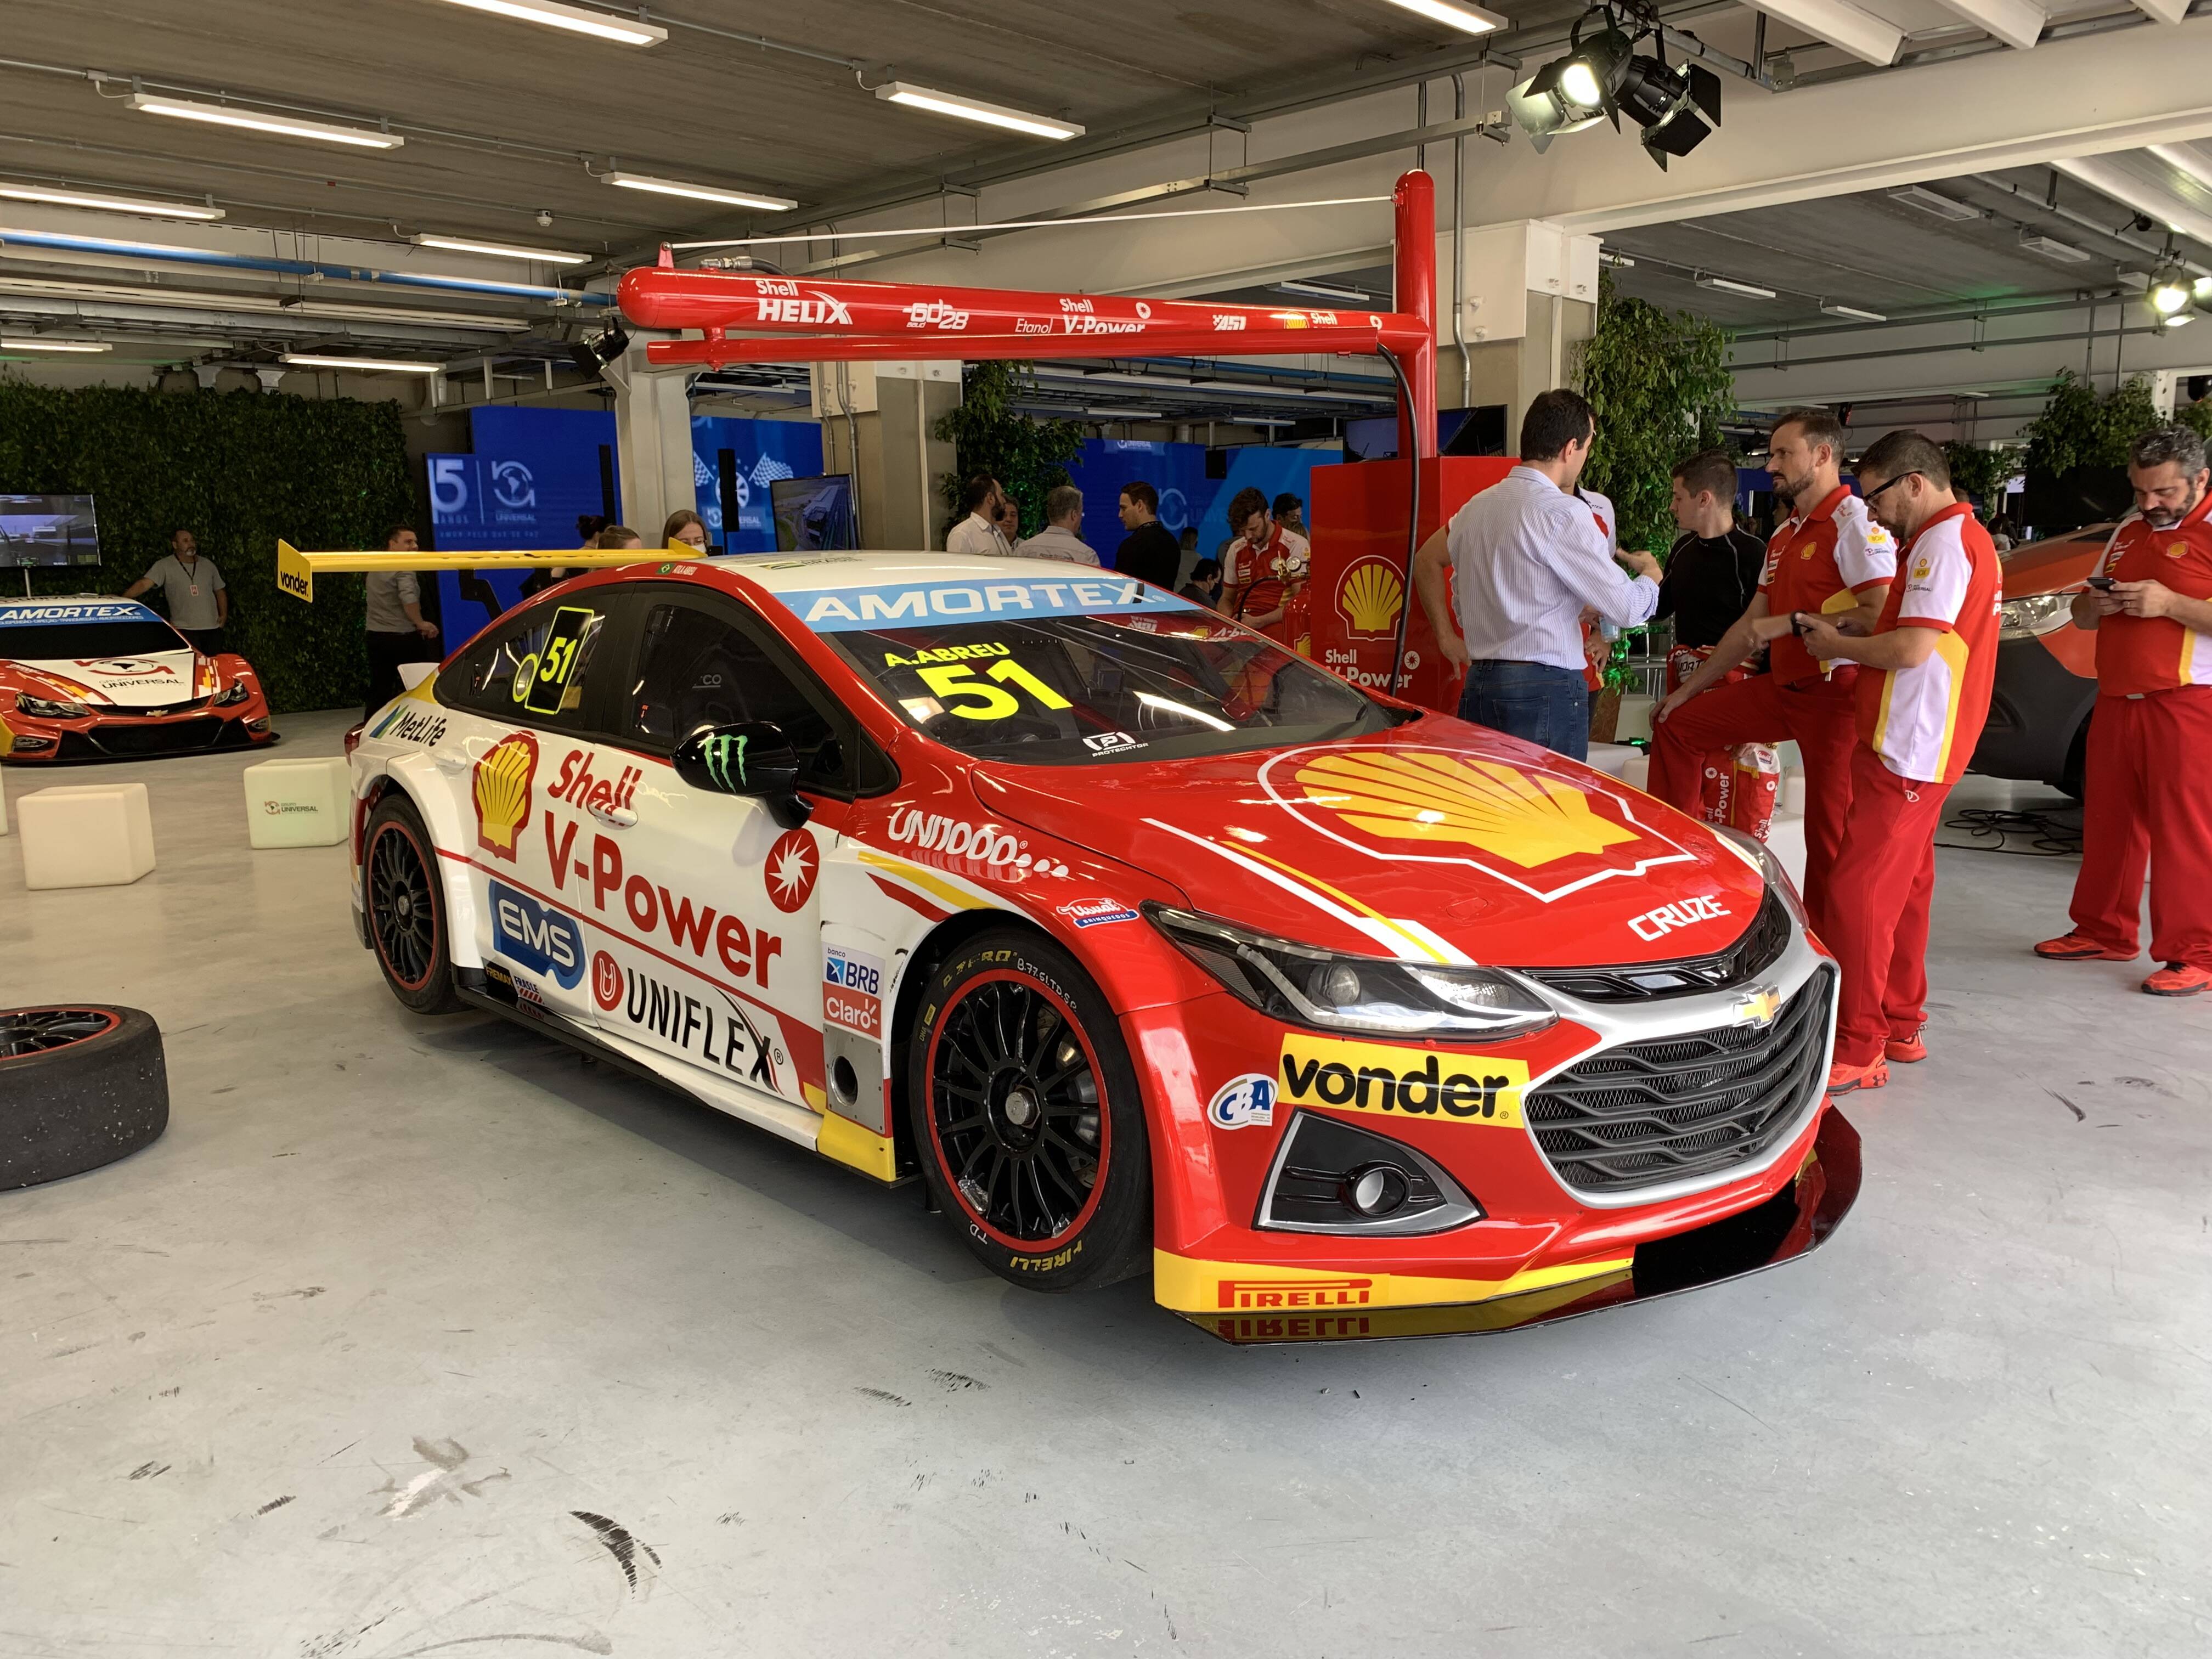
(2102, 584)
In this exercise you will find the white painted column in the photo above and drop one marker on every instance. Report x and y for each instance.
(652, 441)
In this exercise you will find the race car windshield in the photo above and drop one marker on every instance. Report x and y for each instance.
(1098, 689)
(88, 641)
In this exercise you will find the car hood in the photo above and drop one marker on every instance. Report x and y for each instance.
(1438, 837)
(2052, 567)
(149, 682)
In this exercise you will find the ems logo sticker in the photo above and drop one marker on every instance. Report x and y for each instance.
(1242, 1102)
(1393, 1082)
(1525, 824)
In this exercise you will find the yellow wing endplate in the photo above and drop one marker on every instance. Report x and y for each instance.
(295, 571)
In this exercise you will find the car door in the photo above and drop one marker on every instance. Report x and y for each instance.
(540, 788)
(717, 957)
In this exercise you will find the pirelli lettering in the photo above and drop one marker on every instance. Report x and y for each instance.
(1394, 1082)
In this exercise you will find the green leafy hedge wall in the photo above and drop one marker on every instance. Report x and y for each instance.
(239, 470)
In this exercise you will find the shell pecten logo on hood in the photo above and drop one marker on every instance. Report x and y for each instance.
(502, 793)
(1543, 831)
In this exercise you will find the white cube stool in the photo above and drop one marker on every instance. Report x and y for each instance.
(1635, 720)
(1636, 775)
(298, 802)
(1611, 758)
(90, 835)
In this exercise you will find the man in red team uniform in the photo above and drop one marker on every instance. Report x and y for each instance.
(1828, 558)
(2148, 791)
(1922, 695)
(1264, 569)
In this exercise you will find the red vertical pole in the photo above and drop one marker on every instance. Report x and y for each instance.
(1416, 296)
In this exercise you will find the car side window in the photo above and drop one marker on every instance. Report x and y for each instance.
(534, 669)
(696, 668)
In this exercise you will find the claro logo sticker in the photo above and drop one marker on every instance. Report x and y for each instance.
(536, 936)
(852, 990)
(502, 793)
(1393, 1082)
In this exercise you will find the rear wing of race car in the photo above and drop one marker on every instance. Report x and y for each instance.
(295, 571)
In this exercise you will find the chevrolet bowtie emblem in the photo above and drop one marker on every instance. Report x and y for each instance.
(1759, 1008)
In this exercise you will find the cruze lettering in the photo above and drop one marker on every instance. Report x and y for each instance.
(1655, 925)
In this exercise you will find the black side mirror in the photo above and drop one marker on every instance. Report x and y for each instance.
(753, 759)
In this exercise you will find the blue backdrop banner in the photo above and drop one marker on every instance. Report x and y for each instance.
(1189, 499)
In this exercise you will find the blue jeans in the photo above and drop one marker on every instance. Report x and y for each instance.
(1532, 701)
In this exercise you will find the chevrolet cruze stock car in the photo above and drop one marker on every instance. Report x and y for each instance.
(1145, 944)
(89, 677)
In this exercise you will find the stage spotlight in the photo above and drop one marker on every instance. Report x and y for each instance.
(1677, 108)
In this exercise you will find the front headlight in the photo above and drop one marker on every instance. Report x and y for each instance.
(2034, 614)
(1304, 985)
(237, 694)
(1760, 857)
(46, 708)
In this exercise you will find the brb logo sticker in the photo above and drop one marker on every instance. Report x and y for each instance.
(503, 793)
(852, 991)
(541, 939)
(1242, 1102)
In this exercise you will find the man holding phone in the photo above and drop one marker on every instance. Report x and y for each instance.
(1921, 696)
(2147, 795)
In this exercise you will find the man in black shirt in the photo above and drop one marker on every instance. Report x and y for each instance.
(1711, 573)
(1150, 551)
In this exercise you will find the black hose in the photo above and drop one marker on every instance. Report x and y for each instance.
(1413, 519)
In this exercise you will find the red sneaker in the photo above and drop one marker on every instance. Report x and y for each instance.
(2079, 947)
(2178, 979)
(1906, 1050)
(1843, 1079)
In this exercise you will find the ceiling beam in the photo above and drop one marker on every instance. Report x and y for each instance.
(2130, 188)
(2165, 11)
(1870, 38)
(2016, 22)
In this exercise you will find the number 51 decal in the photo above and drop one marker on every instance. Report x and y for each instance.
(557, 660)
(958, 679)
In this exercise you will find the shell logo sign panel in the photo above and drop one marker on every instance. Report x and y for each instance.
(1369, 597)
(503, 777)
(1537, 830)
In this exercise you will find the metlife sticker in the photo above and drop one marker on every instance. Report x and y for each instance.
(912, 604)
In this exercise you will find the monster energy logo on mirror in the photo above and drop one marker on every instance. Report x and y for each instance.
(724, 756)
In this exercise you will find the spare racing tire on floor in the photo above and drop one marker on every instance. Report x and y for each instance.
(81, 1085)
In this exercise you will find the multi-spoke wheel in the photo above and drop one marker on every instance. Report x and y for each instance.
(406, 911)
(1027, 1115)
(80, 1086)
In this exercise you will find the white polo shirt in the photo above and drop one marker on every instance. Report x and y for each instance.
(1526, 557)
(977, 535)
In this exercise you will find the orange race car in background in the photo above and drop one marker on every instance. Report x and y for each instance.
(92, 678)
(2046, 678)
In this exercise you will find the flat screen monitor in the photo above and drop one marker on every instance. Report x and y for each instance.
(813, 513)
(42, 530)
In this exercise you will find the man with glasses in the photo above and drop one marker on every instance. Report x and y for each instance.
(1829, 559)
(1922, 695)
(2148, 797)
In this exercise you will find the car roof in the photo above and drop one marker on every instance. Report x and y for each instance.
(808, 573)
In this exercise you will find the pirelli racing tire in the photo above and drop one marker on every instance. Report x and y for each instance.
(1027, 1118)
(81, 1085)
(406, 907)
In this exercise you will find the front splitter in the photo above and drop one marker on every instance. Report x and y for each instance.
(1796, 1220)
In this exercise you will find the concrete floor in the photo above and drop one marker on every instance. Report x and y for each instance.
(418, 1335)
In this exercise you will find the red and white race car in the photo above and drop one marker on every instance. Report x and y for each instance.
(102, 678)
(1148, 946)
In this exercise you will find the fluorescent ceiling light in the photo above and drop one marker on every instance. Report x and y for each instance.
(284, 126)
(1473, 20)
(501, 250)
(1943, 207)
(1327, 291)
(700, 193)
(364, 365)
(1870, 38)
(974, 109)
(1829, 309)
(33, 343)
(1729, 285)
(2016, 22)
(624, 31)
(2051, 248)
(59, 197)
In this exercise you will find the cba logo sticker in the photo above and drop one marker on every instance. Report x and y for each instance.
(541, 939)
(1242, 1102)
(606, 981)
(1370, 596)
(1391, 1082)
(502, 793)
(792, 864)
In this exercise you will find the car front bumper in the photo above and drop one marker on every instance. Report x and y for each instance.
(2037, 706)
(103, 736)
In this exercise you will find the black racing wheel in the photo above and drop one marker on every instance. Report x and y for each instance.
(81, 1085)
(1027, 1116)
(407, 907)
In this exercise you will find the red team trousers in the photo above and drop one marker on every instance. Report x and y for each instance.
(1883, 876)
(1818, 714)
(2148, 801)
